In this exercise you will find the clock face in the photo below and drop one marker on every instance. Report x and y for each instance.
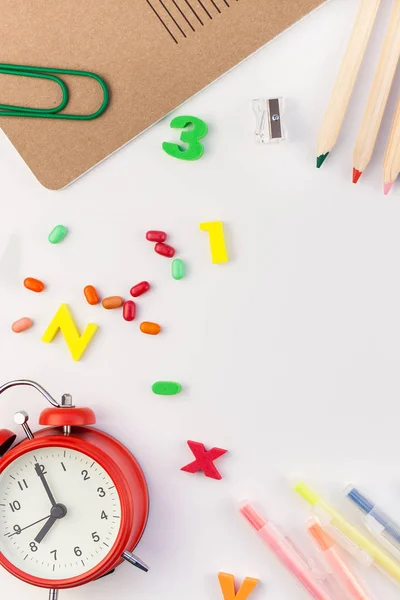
(60, 513)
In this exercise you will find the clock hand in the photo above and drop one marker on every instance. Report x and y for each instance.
(45, 529)
(45, 484)
(27, 527)
(57, 512)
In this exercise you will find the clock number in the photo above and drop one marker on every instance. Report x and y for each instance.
(101, 492)
(17, 529)
(104, 515)
(22, 485)
(78, 551)
(55, 553)
(85, 475)
(15, 505)
(190, 137)
(33, 547)
(42, 468)
(95, 536)
(63, 466)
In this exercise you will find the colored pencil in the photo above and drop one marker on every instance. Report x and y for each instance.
(346, 78)
(391, 167)
(379, 95)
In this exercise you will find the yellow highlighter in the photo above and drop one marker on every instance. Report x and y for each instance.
(377, 556)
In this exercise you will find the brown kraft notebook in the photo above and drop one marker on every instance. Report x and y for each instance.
(153, 54)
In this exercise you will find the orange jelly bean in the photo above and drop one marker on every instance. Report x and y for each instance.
(150, 328)
(112, 302)
(91, 295)
(35, 285)
(21, 325)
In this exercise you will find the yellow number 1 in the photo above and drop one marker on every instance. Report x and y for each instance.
(217, 241)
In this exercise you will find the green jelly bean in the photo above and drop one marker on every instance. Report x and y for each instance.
(57, 234)
(166, 388)
(178, 269)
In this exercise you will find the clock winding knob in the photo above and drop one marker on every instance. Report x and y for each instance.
(21, 418)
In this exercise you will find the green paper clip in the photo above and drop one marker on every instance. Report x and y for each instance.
(8, 110)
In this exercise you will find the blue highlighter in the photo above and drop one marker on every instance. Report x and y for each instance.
(380, 525)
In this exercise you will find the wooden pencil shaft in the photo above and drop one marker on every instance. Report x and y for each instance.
(379, 94)
(347, 75)
(391, 167)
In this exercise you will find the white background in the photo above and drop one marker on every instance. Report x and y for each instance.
(288, 355)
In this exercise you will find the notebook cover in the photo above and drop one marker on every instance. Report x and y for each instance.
(154, 54)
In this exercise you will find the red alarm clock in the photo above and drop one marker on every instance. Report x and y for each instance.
(73, 500)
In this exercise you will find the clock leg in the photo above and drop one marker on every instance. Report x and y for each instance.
(135, 561)
(53, 594)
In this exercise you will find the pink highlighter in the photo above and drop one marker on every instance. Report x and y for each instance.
(284, 550)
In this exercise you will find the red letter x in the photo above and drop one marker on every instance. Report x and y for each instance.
(204, 460)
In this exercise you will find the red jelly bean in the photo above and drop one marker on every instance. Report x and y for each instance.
(156, 236)
(129, 310)
(140, 288)
(164, 250)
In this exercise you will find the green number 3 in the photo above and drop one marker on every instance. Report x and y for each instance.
(191, 137)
